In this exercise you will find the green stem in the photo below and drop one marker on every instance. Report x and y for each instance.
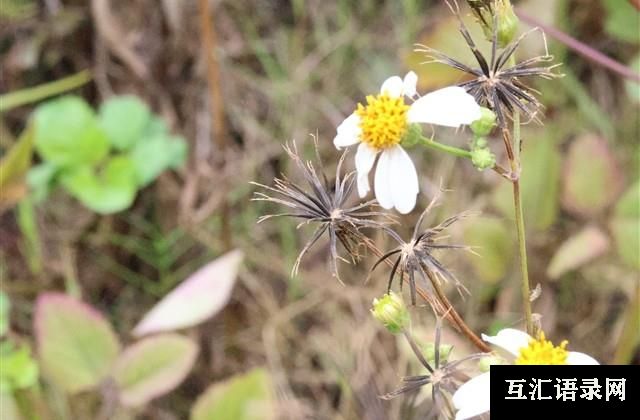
(455, 151)
(514, 157)
(522, 247)
(26, 96)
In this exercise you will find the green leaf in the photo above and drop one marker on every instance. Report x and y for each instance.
(67, 133)
(153, 367)
(632, 86)
(625, 226)
(156, 153)
(124, 119)
(31, 243)
(243, 397)
(37, 93)
(76, 345)
(579, 249)
(592, 177)
(113, 190)
(19, 370)
(5, 308)
(41, 180)
(622, 20)
(629, 203)
(491, 238)
(17, 161)
(539, 183)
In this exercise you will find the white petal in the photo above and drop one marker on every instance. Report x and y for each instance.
(473, 397)
(404, 180)
(451, 107)
(510, 339)
(365, 157)
(409, 84)
(348, 132)
(393, 86)
(382, 181)
(576, 358)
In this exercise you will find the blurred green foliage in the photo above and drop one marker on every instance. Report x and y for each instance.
(101, 159)
(622, 20)
(243, 397)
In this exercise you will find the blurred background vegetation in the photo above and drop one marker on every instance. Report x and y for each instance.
(211, 113)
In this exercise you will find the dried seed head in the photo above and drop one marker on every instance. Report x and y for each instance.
(496, 83)
(324, 205)
(416, 258)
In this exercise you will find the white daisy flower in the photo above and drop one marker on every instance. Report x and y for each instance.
(380, 125)
(472, 398)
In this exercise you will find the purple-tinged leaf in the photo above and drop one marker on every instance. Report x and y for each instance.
(153, 367)
(578, 250)
(76, 344)
(592, 177)
(199, 297)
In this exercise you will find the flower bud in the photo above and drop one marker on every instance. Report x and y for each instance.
(507, 22)
(391, 311)
(412, 136)
(483, 125)
(430, 353)
(479, 143)
(483, 158)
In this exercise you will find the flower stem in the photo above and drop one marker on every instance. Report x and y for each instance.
(513, 152)
(456, 317)
(455, 151)
(522, 247)
(449, 311)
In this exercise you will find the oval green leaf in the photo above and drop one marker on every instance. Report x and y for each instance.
(113, 190)
(243, 397)
(625, 226)
(124, 118)
(76, 345)
(539, 184)
(153, 367)
(67, 133)
(491, 239)
(592, 178)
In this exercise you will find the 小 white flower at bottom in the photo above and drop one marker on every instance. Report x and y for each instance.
(473, 397)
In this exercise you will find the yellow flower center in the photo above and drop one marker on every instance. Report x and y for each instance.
(543, 352)
(383, 120)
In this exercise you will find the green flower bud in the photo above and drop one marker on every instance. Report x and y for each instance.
(430, 352)
(479, 143)
(391, 311)
(412, 136)
(483, 158)
(485, 363)
(507, 22)
(483, 125)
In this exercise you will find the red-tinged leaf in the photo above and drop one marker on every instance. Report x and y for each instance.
(153, 367)
(578, 250)
(199, 297)
(592, 178)
(76, 344)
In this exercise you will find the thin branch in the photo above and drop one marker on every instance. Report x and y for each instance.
(216, 104)
(582, 49)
